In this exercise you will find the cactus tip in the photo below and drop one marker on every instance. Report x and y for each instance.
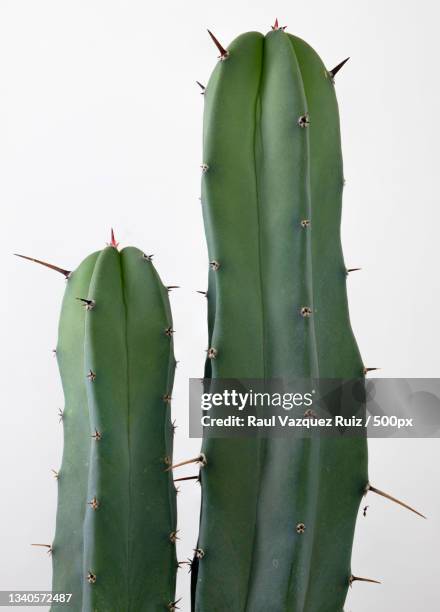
(112, 242)
(276, 26)
(202, 87)
(224, 54)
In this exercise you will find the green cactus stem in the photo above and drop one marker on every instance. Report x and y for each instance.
(114, 547)
(278, 515)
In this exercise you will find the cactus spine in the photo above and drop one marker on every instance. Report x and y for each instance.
(114, 547)
(278, 515)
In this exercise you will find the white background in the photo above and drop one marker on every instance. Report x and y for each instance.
(100, 125)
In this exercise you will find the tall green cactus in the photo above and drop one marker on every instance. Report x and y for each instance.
(114, 547)
(278, 515)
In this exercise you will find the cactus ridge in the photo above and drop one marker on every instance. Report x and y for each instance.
(116, 532)
(278, 516)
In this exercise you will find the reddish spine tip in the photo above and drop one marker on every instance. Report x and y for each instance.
(276, 26)
(113, 242)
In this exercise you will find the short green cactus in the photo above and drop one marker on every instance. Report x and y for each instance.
(114, 547)
(278, 515)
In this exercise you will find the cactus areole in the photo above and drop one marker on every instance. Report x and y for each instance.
(114, 547)
(278, 515)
